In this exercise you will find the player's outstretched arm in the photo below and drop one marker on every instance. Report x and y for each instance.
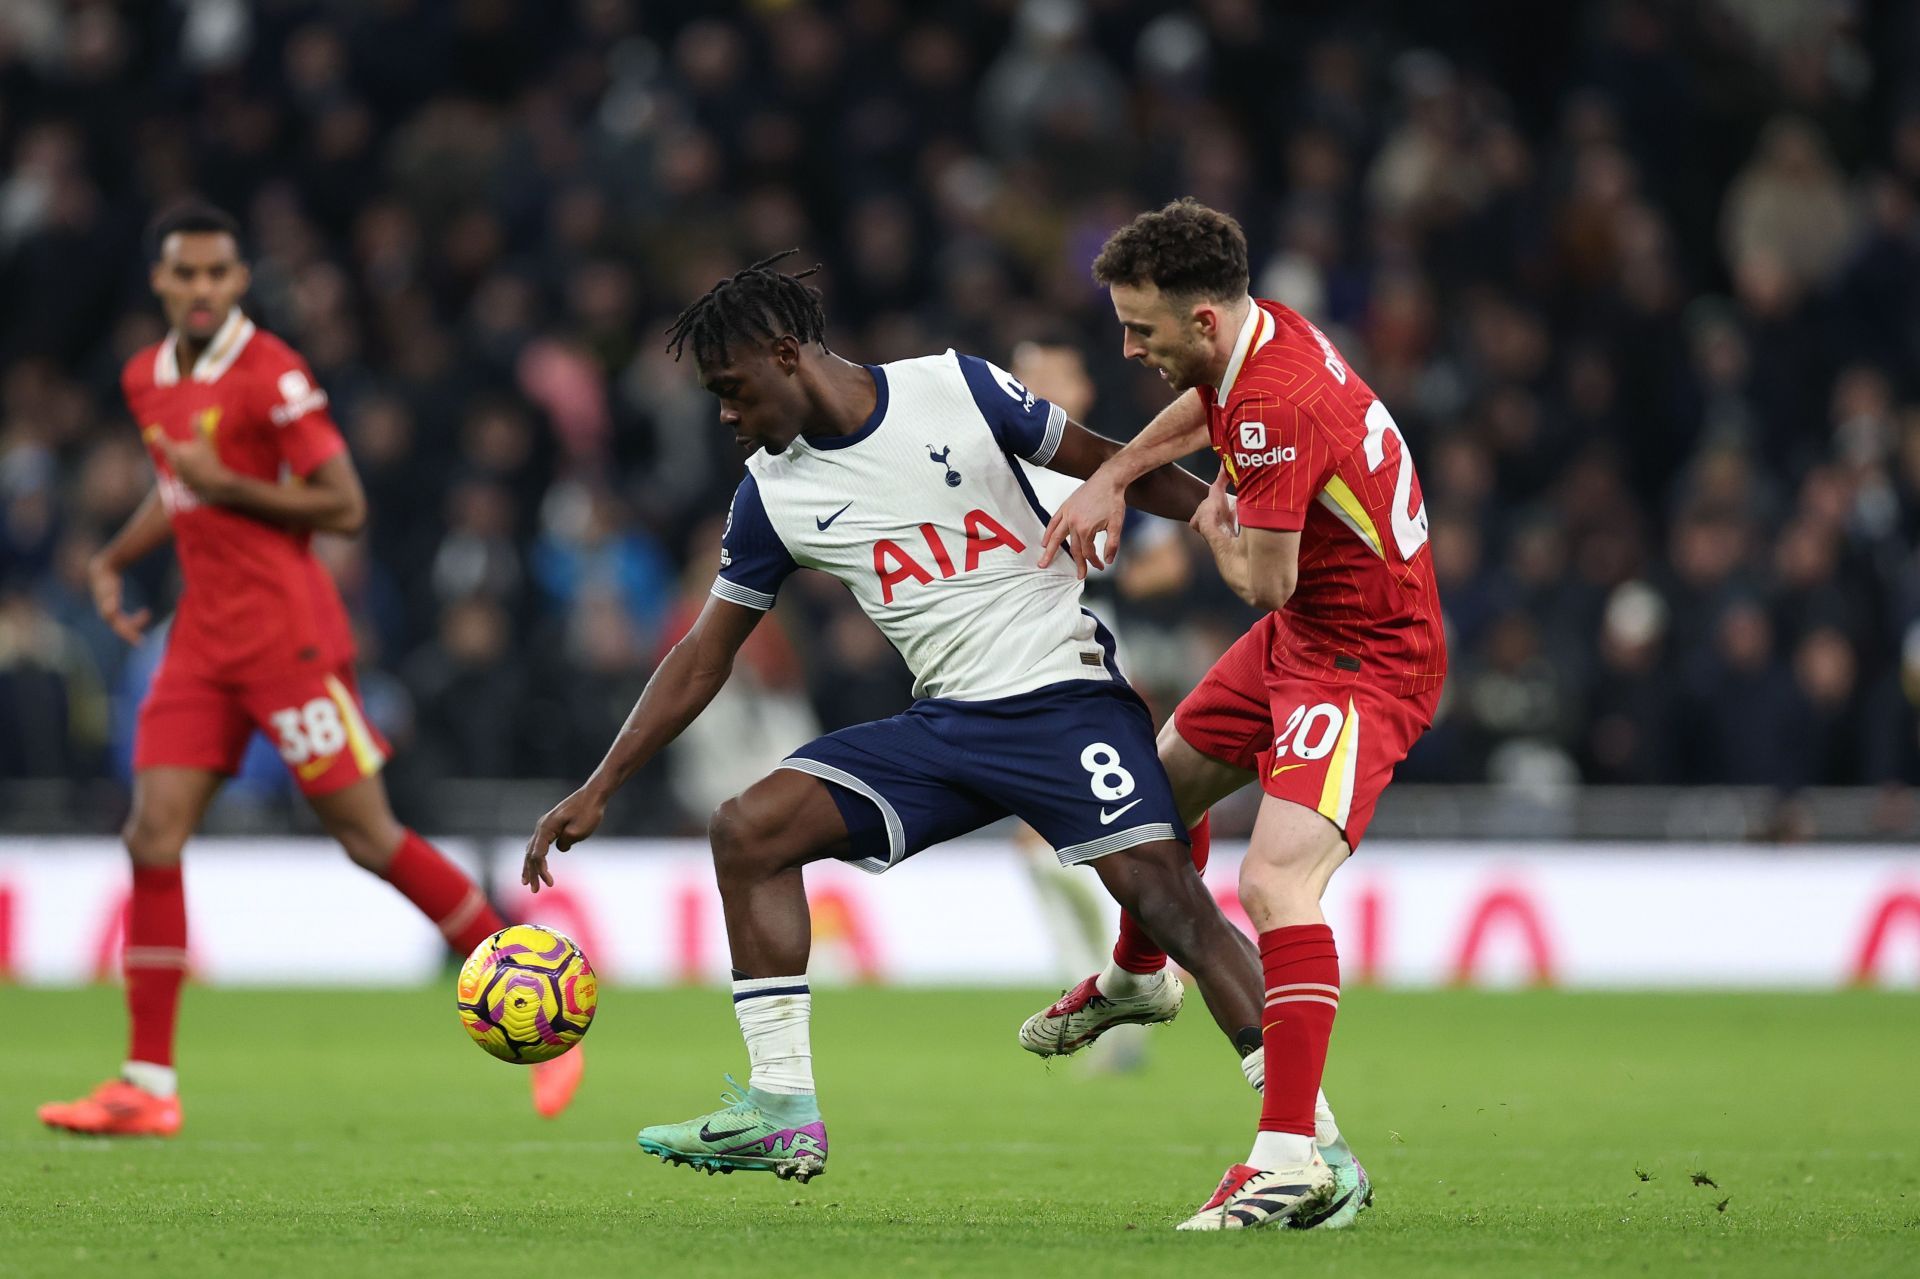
(143, 533)
(1100, 505)
(1166, 491)
(329, 500)
(690, 677)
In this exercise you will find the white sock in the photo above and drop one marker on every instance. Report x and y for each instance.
(1273, 1150)
(1116, 982)
(774, 1014)
(151, 1077)
(1325, 1131)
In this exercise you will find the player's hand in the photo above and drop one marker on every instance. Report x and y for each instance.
(1214, 519)
(104, 581)
(196, 465)
(1096, 507)
(567, 823)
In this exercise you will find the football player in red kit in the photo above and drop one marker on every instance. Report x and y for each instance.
(1329, 690)
(249, 466)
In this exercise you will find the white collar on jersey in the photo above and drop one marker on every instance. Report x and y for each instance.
(1255, 332)
(231, 339)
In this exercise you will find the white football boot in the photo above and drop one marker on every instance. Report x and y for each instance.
(1083, 1014)
(1248, 1197)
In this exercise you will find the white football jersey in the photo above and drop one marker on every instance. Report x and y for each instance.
(925, 514)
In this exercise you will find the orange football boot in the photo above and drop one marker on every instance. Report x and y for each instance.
(116, 1109)
(555, 1082)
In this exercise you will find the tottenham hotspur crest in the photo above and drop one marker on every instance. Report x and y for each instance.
(953, 476)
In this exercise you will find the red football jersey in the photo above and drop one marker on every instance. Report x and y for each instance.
(257, 603)
(1311, 449)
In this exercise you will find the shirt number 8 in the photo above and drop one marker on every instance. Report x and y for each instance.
(1108, 779)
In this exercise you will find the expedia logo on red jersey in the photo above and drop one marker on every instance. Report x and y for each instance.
(1252, 450)
(1271, 457)
(299, 397)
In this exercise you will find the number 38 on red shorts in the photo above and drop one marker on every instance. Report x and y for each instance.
(313, 718)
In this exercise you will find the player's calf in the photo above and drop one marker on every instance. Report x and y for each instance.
(1156, 883)
(760, 840)
(1135, 953)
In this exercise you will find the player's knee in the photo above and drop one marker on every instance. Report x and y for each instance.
(736, 841)
(1277, 889)
(153, 841)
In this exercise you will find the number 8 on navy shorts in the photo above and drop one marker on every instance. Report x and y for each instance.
(1075, 761)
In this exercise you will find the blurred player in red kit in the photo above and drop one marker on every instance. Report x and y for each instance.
(1325, 695)
(249, 465)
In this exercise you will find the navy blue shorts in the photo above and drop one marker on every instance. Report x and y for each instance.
(1076, 761)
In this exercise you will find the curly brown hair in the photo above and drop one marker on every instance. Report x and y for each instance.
(1185, 248)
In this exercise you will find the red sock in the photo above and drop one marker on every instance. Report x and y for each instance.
(443, 893)
(1136, 952)
(1303, 994)
(155, 961)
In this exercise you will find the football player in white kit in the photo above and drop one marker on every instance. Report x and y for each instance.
(901, 481)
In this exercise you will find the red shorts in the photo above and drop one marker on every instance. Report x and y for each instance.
(1324, 744)
(314, 718)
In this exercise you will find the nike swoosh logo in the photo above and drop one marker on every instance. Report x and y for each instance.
(314, 767)
(706, 1132)
(1107, 819)
(1285, 768)
(831, 518)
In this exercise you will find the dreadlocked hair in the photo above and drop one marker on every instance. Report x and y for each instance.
(758, 302)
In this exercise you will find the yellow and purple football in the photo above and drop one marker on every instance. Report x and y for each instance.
(527, 994)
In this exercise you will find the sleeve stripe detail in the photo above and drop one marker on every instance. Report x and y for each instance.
(1056, 428)
(734, 593)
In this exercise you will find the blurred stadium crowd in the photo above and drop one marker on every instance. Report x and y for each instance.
(1640, 281)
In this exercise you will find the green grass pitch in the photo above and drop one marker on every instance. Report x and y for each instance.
(1508, 1134)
